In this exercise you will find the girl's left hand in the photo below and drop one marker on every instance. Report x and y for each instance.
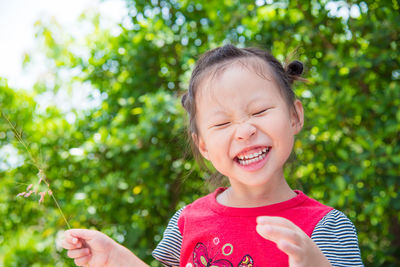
(302, 251)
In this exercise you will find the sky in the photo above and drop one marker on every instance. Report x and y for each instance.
(17, 18)
(17, 36)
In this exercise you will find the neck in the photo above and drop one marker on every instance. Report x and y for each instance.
(255, 196)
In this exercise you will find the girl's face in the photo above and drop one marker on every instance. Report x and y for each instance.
(246, 128)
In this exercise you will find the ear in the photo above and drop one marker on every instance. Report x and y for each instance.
(201, 145)
(297, 116)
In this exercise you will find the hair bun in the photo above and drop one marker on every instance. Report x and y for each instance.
(183, 100)
(295, 68)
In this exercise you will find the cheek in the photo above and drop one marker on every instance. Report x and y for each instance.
(218, 146)
(219, 142)
(221, 134)
(286, 143)
(280, 130)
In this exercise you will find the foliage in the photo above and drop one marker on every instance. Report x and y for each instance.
(122, 166)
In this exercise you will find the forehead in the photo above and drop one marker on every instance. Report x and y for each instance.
(214, 79)
(253, 64)
(235, 87)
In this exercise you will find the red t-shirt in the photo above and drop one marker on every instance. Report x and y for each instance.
(217, 235)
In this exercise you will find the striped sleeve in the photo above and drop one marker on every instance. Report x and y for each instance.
(168, 251)
(336, 236)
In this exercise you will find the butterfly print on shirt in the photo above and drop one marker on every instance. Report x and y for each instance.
(201, 259)
(247, 261)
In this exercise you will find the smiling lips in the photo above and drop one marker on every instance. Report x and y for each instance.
(248, 159)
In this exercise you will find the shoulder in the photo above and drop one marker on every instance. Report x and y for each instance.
(336, 236)
(310, 208)
(169, 249)
(199, 208)
(334, 223)
(314, 204)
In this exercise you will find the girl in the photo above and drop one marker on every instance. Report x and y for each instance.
(243, 119)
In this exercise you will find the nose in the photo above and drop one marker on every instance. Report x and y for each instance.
(244, 131)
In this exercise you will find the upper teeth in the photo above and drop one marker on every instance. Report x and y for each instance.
(256, 154)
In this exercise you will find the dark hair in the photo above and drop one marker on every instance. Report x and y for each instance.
(215, 59)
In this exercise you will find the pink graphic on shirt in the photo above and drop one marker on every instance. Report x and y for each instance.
(247, 261)
(201, 259)
(227, 249)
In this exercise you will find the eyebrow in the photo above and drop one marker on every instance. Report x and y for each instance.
(257, 100)
(212, 120)
(251, 102)
(219, 112)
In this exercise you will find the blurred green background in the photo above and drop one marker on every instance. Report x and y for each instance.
(122, 167)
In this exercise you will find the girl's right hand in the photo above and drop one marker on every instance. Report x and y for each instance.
(89, 247)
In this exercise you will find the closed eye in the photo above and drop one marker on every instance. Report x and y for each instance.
(260, 112)
(221, 124)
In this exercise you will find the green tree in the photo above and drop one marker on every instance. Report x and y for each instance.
(133, 171)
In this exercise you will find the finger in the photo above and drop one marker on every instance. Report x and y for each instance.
(68, 245)
(286, 240)
(81, 233)
(290, 249)
(272, 220)
(78, 253)
(70, 242)
(277, 233)
(73, 240)
(82, 261)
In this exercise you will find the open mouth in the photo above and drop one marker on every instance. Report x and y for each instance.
(246, 159)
